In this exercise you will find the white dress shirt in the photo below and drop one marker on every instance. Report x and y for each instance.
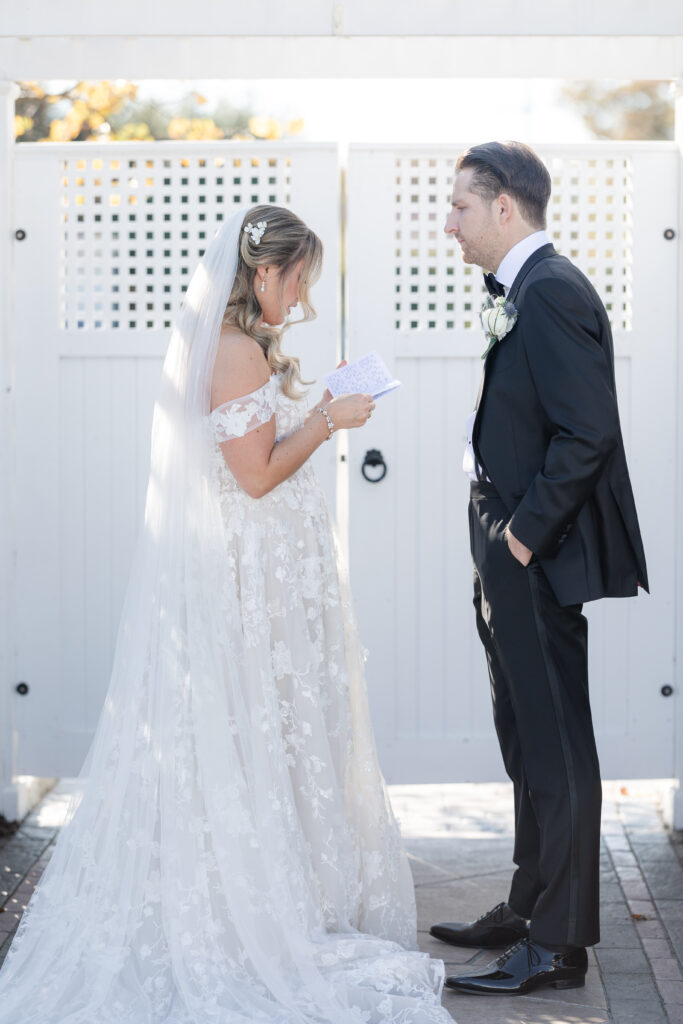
(513, 261)
(510, 266)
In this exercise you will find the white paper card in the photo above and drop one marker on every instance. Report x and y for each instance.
(367, 375)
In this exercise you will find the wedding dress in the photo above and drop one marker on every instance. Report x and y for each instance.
(232, 856)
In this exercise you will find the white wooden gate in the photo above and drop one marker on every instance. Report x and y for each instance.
(410, 297)
(111, 236)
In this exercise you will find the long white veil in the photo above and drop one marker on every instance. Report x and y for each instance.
(174, 895)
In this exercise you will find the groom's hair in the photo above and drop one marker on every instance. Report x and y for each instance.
(513, 168)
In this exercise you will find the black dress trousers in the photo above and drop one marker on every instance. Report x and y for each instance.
(537, 660)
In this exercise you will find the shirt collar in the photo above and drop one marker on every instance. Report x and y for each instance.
(516, 257)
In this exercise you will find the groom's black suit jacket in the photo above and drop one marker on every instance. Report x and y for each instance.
(547, 433)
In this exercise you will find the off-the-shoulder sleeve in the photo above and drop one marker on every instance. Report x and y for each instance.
(237, 417)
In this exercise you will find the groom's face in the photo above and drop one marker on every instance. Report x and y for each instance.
(473, 224)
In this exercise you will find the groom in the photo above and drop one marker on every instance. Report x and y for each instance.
(552, 524)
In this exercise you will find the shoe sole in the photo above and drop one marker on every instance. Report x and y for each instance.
(503, 944)
(563, 983)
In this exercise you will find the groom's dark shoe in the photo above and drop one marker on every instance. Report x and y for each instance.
(498, 927)
(523, 968)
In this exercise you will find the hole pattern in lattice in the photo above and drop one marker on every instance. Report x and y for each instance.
(589, 220)
(133, 229)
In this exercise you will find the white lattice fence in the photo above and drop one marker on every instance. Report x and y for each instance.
(410, 296)
(589, 220)
(135, 226)
(112, 235)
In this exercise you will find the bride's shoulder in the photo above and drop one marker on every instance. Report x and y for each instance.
(234, 346)
(241, 367)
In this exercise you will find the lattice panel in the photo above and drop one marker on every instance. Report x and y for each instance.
(134, 227)
(589, 220)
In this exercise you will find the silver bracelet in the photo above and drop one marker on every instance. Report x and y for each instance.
(330, 424)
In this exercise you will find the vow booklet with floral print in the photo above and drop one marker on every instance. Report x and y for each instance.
(368, 375)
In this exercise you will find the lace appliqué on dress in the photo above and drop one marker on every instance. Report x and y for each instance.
(239, 416)
(234, 857)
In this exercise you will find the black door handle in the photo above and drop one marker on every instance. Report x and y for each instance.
(374, 460)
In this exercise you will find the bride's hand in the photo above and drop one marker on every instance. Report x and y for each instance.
(347, 411)
(327, 395)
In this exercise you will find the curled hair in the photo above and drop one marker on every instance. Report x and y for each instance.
(284, 243)
(510, 167)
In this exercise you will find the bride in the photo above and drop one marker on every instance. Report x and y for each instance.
(231, 856)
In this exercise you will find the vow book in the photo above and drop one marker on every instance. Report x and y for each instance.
(368, 375)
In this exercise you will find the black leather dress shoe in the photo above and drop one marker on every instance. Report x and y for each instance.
(523, 968)
(498, 927)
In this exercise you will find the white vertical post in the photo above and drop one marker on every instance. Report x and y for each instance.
(7, 488)
(677, 815)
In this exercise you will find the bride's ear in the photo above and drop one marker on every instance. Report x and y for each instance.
(260, 279)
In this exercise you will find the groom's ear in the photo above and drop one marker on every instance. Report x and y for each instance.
(504, 207)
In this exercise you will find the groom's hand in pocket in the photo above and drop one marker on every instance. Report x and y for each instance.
(522, 553)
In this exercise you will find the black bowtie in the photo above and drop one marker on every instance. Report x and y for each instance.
(493, 286)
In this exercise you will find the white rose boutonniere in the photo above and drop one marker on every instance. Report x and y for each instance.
(498, 317)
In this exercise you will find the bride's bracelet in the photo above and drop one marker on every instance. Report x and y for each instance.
(330, 424)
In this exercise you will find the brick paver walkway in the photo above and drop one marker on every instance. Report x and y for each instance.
(459, 839)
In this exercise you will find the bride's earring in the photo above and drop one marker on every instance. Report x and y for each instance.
(263, 285)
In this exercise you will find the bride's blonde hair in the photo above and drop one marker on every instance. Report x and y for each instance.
(285, 241)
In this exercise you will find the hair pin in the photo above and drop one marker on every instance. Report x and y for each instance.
(256, 232)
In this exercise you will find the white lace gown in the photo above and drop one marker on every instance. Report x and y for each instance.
(226, 873)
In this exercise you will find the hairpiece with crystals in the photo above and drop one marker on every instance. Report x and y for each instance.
(256, 232)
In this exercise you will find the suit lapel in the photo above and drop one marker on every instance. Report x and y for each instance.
(540, 254)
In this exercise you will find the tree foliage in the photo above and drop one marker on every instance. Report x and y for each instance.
(110, 110)
(624, 110)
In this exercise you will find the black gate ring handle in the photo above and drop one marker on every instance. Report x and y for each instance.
(374, 459)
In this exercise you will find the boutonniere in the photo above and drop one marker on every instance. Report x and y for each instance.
(498, 316)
